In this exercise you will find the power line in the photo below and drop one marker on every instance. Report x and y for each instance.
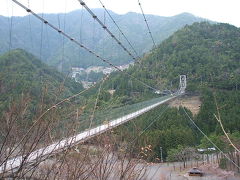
(81, 45)
(209, 139)
(105, 27)
(145, 19)
(125, 37)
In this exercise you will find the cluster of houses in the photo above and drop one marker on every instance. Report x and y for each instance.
(96, 69)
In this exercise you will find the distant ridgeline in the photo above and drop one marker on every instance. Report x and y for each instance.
(23, 76)
(26, 34)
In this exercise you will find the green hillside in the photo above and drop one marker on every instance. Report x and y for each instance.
(209, 54)
(201, 51)
(22, 74)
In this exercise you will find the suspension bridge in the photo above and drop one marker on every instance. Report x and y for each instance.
(15, 163)
(41, 154)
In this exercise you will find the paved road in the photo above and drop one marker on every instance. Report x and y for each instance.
(167, 172)
(162, 172)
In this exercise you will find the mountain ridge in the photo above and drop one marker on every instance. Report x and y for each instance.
(26, 34)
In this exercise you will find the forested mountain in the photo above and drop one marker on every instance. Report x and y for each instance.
(22, 75)
(209, 54)
(29, 34)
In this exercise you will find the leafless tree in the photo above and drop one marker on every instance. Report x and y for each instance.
(22, 134)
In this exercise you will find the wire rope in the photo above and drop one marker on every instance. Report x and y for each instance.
(41, 34)
(145, 19)
(119, 29)
(106, 29)
(84, 47)
(30, 27)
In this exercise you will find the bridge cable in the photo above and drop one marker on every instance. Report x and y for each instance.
(103, 37)
(106, 29)
(82, 46)
(63, 38)
(80, 34)
(81, 24)
(150, 124)
(209, 138)
(145, 19)
(60, 42)
(111, 34)
(156, 118)
(41, 43)
(93, 42)
(43, 114)
(47, 36)
(119, 29)
(30, 27)
(10, 31)
(95, 104)
(10, 21)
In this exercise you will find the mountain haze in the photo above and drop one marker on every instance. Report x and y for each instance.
(54, 50)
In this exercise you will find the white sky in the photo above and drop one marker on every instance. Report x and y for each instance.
(217, 10)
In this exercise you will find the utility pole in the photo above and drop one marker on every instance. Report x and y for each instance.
(161, 155)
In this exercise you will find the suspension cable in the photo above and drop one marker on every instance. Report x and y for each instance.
(106, 29)
(96, 103)
(81, 24)
(82, 46)
(145, 19)
(10, 31)
(30, 27)
(125, 37)
(41, 35)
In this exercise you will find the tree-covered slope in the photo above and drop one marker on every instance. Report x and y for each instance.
(209, 54)
(22, 74)
(29, 34)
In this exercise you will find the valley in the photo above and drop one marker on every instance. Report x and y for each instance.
(74, 105)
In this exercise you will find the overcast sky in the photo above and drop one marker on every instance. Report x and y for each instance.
(216, 10)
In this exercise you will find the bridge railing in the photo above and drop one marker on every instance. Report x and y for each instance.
(114, 113)
(60, 145)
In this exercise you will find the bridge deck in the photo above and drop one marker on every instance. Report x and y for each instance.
(56, 147)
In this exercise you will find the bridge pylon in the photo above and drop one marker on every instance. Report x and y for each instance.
(182, 84)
